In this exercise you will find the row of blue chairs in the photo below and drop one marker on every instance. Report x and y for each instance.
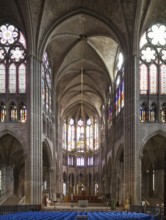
(39, 215)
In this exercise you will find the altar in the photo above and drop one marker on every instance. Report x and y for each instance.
(83, 203)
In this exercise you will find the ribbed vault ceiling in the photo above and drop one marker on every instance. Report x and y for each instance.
(84, 45)
(81, 35)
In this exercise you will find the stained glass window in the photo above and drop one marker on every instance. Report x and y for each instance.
(43, 88)
(47, 97)
(13, 112)
(23, 113)
(122, 94)
(163, 78)
(13, 51)
(120, 61)
(71, 135)
(96, 135)
(12, 78)
(2, 79)
(152, 113)
(90, 161)
(119, 82)
(8, 34)
(152, 55)
(22, 78)
(80, 161)
(143, 79)
(46, 84)
(119, 97)
(143, 113)
(157, 34)
(70, 161)
(2, 112)
(148, 54)
(80, 135)
(153, 79)
(64, 135)
(81, 139)
(163, 113)
(153, 71)
(89, 134)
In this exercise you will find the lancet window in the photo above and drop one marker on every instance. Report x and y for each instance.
(119, 85)
(80, 140)
(46, 84)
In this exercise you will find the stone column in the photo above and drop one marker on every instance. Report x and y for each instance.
(55, 156)
(33, 164)
(165, 188)
(132, 162)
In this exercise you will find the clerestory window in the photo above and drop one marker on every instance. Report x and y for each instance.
(152, 70)
(12, 60)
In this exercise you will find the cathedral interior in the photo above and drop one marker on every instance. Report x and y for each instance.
(83, 101)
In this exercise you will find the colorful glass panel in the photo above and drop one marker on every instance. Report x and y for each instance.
(17, 54)
(89, 135)
(152, 115)
(13, 113)
(122, 94)
(46, 83)
(157, 34)
(2, 79)
(47, 97)
(12, 50)
(22, 40)
(49, 100)
(23, 113)
(163, 54)
(12, 78)
(81, 138)
(163, 78)
(22, 78)
(90, 161)
(71, 135)
(64, 135)
(70, 161)
(43, 88)
(2, 112)
(80, 161)
(143, 79)
(153, 53)
(2, 53)
(119, 98)
(96, 136)
(8, 34)
(163, 114)
(120, 61)
(148, 54)
(153, 79)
